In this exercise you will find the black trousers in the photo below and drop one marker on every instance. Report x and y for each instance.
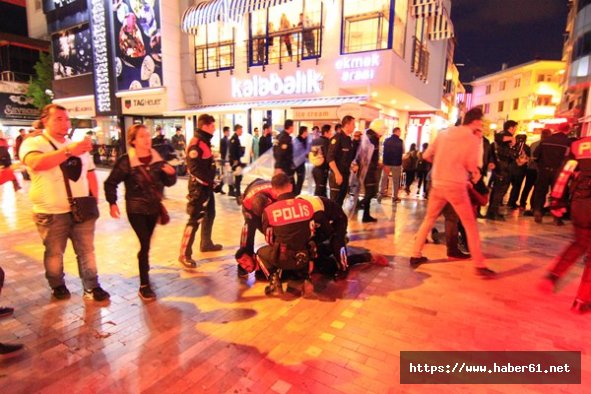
(530, 180)
(499, 189)
(544, 182)
(338, 192)
(300, 174)
(201, 210)
(516, 178)
(410, 178)
(320, 175)
(422, 179)
(143, 225)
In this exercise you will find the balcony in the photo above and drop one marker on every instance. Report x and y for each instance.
(284, 46)
(11, 76)
(420, 60)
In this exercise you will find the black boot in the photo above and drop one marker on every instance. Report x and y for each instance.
(186, 252)
(274, 288)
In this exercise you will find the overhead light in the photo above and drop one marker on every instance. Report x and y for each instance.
(393, 101)
(374, 94)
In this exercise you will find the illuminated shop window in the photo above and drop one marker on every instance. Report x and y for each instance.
(285, 33)
(214, 47)
(544, 100)
(400, 15)
(366, 25)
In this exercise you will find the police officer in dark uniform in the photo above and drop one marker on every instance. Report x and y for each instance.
(549, 155)
(330, 239)
(257, 196)
(201, 204)
(283, 151)
(288, 229)
(505, 154)
(580, 204)
(301, 149)
(236, 153)
(341, 153)
(319, 150)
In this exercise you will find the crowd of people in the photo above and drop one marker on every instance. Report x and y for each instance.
(304, 233)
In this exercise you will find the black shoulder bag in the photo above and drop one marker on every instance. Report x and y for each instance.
(83, 208)
(164, 217)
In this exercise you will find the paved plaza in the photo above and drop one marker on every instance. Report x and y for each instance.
(210, 333)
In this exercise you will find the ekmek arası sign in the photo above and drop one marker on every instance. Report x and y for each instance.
(303, 82)
(358, 68)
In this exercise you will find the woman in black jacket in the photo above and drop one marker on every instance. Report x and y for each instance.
(145, 174)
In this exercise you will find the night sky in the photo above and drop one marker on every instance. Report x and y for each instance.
(492, 32)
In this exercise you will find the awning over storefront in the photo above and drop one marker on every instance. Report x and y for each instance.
(214, 10)
(269, 104)
(442, 27)
(203, 13)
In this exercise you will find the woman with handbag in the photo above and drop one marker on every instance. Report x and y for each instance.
(145, 174)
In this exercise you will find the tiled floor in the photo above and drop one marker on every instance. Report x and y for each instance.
(210, 333)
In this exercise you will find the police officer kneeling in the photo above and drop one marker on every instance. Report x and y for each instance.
(288, 228)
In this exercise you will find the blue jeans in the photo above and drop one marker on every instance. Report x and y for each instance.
(55, 231)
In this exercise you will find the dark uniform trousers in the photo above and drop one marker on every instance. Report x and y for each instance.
(320, 175)
(544, 181)
(201, 210)
(371, 188)
(501, 182)
(531, 175)
(517, 175)
(338, 192)
(300, 173)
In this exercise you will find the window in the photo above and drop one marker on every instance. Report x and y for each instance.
(366, 25)
(501, 106)
(488, 88)
(517, 82)
(286, 32)
(515, 104)
(214, 47)
(400, 15)
(544, 78)
(502, 85)
(486, 109)
(544, 100)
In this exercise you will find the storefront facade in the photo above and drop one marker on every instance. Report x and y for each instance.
(312, 61)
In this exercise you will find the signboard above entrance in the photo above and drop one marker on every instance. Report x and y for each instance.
(308, 82)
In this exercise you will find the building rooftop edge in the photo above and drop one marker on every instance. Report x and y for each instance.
(511, 69)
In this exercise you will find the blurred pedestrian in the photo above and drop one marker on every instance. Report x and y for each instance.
(392, 160)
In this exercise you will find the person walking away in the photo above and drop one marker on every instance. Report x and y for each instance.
(505, 153)
(300, 153)
(409, 165)
(60, 168)
(531, 175)
(550, 156)
(455, 154)
(179, 143)
(236, 152)
(318, 158)
(423, 168)
(392, 159)
(283, 151)
(145, 174)
(266, 140)
(226, 167)
(371, 179)
(201, 200)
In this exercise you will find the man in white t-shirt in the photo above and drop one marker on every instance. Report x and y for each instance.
(45, 155)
